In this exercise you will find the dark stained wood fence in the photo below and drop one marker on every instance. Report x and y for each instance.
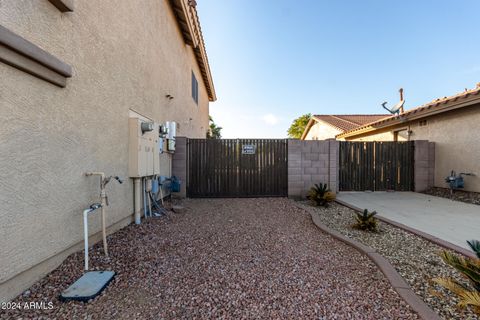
(376, 166)
(219, 168)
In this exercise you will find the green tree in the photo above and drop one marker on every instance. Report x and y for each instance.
(214, 132)
(298, 126)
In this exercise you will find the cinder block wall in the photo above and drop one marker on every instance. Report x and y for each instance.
(310, 162)
(424, 165)
(179, 165)
(317, 161)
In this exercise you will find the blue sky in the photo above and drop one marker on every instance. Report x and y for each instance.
(275, 60)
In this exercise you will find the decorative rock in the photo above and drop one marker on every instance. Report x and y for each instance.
(457, 195)
(414, 258)
(269, 262)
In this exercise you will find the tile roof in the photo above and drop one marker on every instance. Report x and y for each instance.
(346, 122)
(438, 105)
(187, 17)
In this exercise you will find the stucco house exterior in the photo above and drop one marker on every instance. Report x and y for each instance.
(72, 74)
(327, 126)
(452, 123)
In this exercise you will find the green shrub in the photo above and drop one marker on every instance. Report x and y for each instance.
(470, 269)
(321, 195)
(366, 221)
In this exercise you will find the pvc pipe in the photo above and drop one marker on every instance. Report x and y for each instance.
(85, 235)
(92, 208)
(96, 173)
(103, 195)
(137, 204)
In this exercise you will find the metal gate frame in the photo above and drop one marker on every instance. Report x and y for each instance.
(376, 166)
(217, 168)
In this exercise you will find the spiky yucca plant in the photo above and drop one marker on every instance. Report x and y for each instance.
(366, 221)
(469, 268)
(321, 195)
(475, 245)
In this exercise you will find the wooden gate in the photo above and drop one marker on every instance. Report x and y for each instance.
(237, 168)
(376, 166)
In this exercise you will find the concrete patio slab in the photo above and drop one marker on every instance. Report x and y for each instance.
(448, 220)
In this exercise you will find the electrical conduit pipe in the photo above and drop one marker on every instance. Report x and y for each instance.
(137, 183)
(148, 188)
(144, 199)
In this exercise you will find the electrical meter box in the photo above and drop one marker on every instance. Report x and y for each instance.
(143, 150)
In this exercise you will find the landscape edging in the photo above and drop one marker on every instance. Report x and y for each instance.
(395, 279)
(424, 235)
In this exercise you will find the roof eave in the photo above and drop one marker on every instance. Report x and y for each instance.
(187, 19)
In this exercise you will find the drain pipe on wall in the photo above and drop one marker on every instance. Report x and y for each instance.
(137, 182)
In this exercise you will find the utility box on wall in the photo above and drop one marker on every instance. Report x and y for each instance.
(143, 149)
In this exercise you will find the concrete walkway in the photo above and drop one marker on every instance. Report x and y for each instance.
(452, 221)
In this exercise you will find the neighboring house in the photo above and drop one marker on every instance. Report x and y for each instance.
(322, 127)
(453, 123)
(72, 73)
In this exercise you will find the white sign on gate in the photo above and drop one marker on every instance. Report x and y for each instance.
(248, 149)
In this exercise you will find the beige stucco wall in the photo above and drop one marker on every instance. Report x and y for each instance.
(125, 55)
(321, 131)
(456, 144)
(455, 134)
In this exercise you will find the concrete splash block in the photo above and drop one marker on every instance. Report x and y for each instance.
(90, 285)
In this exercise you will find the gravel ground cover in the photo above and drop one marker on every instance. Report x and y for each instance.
(415, 258)
(458, 195)
(225, 258)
